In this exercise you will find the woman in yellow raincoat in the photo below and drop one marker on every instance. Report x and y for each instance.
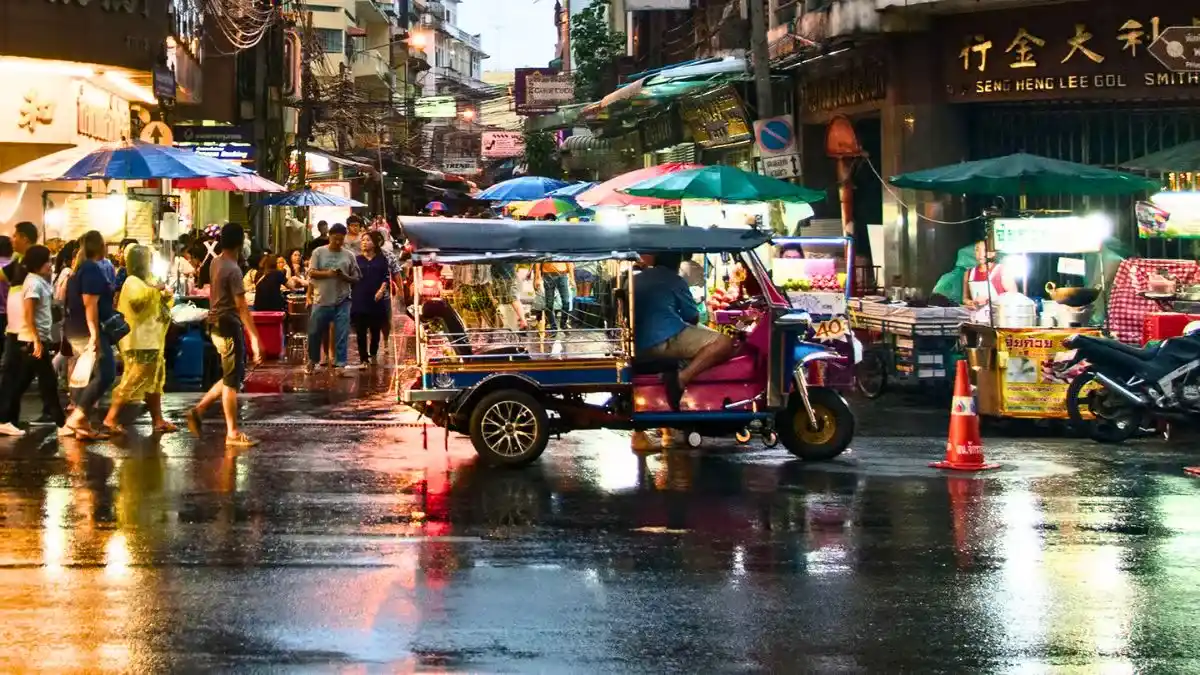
(146, 308)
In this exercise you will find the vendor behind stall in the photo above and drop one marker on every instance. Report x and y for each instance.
(952, 284)
(987, 280)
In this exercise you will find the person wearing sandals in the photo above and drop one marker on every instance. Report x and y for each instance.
(89, 306)
(229, 317)
(33, 353)
(146, 308)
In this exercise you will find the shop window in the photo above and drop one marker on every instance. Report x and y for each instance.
(331, 40)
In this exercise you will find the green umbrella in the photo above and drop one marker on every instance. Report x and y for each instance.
(1184, 157)
(1024, 174)
(722, 183)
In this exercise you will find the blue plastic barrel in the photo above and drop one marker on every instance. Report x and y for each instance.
(189, 357)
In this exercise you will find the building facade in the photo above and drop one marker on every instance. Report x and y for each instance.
(932, 83)
(66, 88)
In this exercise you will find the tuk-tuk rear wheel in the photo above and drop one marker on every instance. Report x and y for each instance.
(834, 430)
(509, 428)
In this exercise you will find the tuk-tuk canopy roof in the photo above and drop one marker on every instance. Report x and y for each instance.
(467, 240)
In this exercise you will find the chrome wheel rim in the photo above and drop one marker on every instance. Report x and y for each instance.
(509, 428)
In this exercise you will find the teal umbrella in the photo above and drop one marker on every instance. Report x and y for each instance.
(1184, 158)
(722, 183)
(1024, 174)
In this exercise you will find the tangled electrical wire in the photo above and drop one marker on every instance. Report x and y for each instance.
(242, 23)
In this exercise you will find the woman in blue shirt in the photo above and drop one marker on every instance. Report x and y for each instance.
(89, 305)
(368, 305)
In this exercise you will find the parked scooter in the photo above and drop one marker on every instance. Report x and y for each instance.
(1118, 389)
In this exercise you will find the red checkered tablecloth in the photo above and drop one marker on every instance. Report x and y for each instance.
(1127, 308)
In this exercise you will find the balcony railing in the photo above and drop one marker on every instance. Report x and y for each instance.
(370, 64)
(435, 17)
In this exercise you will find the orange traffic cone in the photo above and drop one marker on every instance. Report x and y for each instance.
(1192, 470)
(964, 448)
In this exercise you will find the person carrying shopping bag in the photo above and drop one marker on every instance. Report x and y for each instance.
(91, 325)
(146, 305)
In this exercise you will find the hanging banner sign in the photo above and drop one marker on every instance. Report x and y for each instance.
(542, 90)
(503, 144)
(716, 118)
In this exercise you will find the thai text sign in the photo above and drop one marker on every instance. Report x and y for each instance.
(542, 90)
(716, 118)
(1029, 384)
(1070, 50)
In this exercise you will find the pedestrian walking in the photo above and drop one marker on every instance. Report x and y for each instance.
(145, 303)
(89, 309)
(229, 320)
(368, 298)
(333, 273)
(32, 353)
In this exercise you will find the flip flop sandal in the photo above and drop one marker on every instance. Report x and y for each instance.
(240, 441)
(112, 430)
(165, 428)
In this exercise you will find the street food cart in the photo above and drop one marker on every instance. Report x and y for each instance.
(1012, 354)
(905, 344)
(814, 273)
(1011, 345)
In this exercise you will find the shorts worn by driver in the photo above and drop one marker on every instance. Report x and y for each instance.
(229, 338)
(685, 344)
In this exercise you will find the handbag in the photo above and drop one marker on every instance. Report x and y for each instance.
(115, 327)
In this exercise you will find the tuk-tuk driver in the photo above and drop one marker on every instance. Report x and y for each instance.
(666, 326)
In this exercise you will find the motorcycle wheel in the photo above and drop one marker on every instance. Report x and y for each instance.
(1100, 413)
(834, 430)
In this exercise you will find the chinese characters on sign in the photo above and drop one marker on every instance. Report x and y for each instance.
(1089, 56)
(716, 118)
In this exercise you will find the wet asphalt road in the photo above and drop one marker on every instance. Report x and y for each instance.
(343, 545)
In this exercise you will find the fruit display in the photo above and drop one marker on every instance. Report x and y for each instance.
(718, 300)
(828, 282)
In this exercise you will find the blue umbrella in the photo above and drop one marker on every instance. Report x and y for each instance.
(307, 197)
(525, 188)
(146, 161)
(573, 190)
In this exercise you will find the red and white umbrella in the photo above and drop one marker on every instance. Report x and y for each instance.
(249, 183)
(609, 192)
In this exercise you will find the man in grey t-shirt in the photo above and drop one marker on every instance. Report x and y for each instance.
(333, 271)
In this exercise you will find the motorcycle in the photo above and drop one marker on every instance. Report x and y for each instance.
(1116, 389)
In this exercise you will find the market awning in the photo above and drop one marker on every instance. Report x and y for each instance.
(584, 142)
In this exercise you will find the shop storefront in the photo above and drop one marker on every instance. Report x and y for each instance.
(1074, 82)
(67, 88)
(45, 107)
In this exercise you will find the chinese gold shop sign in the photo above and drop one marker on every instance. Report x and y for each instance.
(1009, 59)
(716, 118)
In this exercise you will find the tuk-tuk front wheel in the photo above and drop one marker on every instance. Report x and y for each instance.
(831, 435)
(509, 428)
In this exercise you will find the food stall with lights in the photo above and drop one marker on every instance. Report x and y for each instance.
(814, 273)
(1011, 345)
(1156, 298)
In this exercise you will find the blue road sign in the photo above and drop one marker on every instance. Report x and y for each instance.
(775, 136)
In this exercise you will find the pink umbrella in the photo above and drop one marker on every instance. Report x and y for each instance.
(608, 193)
(248, 183)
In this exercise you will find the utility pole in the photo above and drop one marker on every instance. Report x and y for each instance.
(762, 57)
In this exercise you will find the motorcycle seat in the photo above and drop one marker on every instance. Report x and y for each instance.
(1144, 354)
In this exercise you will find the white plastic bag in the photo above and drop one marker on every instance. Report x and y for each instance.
(82, 373)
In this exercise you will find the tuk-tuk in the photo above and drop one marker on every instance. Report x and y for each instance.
(511, 389)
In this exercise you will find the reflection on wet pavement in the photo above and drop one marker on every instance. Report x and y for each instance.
(351, 540)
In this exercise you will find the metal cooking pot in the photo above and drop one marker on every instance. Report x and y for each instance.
(1072, 296)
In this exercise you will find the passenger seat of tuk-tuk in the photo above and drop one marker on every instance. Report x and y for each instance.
(456, 331)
